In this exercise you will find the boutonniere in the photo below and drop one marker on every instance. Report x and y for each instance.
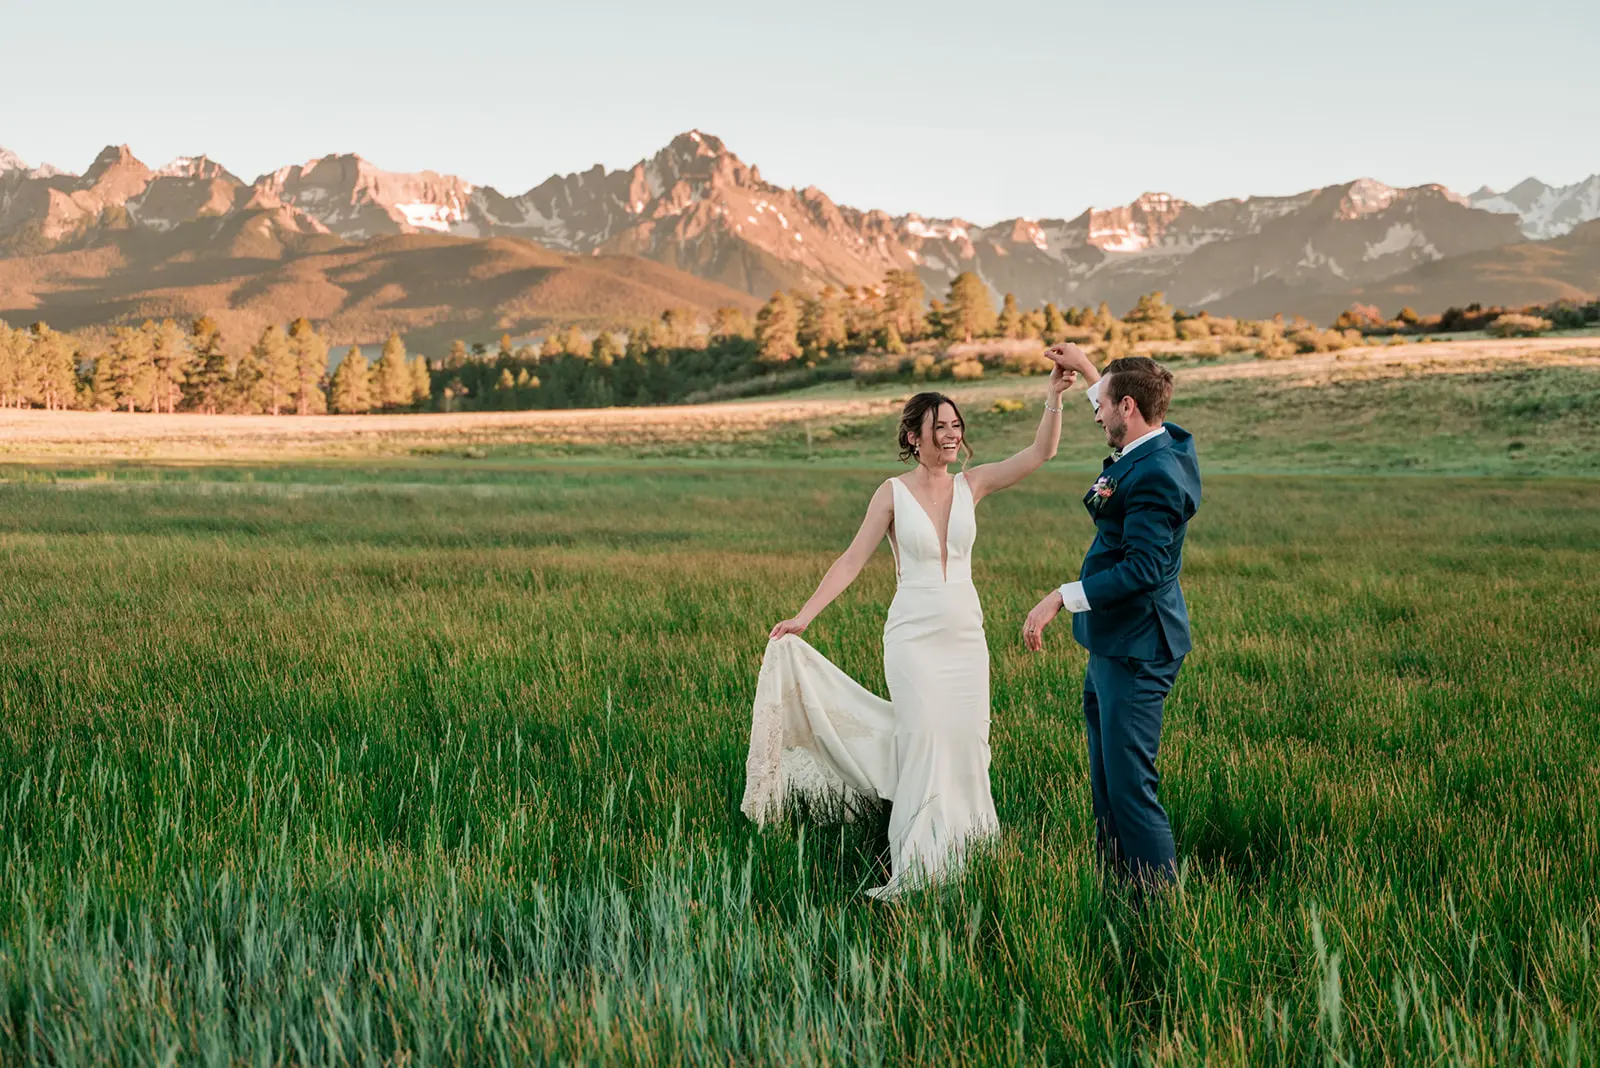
(1100, 493)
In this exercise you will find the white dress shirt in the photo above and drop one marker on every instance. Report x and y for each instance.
(1072, 598)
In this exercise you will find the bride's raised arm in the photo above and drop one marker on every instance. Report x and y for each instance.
(987, 478)
(845, 569)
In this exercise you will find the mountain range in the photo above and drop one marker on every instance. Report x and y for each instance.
(434, 255)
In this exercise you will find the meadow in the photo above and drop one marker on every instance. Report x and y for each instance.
(438, 760)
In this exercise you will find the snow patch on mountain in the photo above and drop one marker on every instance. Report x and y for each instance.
(1400, 237)
(429, 216)
(1118, 239)
(1314, 259)
(1544, 211)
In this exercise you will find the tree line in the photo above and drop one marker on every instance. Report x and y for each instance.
(890, 330)
(1494, 319)
(167, 367)
(795, 338)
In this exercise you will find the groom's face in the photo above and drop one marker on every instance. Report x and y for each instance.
(1111, 417)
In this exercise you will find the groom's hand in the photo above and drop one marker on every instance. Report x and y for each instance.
(1069, 357)
(1039, 618)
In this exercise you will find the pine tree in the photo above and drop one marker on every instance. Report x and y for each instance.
(677, 329)
(206, 385)
(893, 343)
(1152, 318)
(641, 342)
(421, 383)
(13, 353)
(729, 323)
(1009, 324)
(393, 385)
(507, 352)
(1100, 322)
(311, 364)
(864, 317)
(351, 389)
(822, 321)
(605, 350)
(279, 372)
(573, 343)
(507, 382)
(247, 392)
(55, 361)
(170, 357)
(550, 348)
(124, 374)
(903, 298)
(777, 330)
(457, 357)
(970, 312)
(1055, 324)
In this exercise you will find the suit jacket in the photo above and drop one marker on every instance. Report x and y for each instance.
(1130, 576)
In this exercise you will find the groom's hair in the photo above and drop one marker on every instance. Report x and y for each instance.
(1147, 382)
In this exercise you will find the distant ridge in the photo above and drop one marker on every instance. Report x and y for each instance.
(124, 240)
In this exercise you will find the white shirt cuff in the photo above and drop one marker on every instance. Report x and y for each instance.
(1093, 393)
(1073, 598)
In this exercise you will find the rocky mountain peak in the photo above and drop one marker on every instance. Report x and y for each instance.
(1133, 227)
(692, 144)
(1159, 204)
(1526, 193)
(116, 163)
(699, 159)
(1544, 211)
(10, 161)
(198, 167)
(356, 199)
(1365, 196)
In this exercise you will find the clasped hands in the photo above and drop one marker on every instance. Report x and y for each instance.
(1069, 358)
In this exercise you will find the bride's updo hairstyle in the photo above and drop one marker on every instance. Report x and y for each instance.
(911, 417)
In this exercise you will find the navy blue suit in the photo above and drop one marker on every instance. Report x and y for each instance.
(1137, 634)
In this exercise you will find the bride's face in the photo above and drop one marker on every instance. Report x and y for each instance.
(940, 439)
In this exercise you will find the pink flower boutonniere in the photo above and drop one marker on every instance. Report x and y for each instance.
(1099, 493)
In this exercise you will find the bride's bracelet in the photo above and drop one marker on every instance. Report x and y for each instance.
(1050, 409)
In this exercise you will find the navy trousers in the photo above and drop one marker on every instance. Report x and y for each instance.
(1122, 703)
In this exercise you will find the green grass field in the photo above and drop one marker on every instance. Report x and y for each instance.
(440, 762)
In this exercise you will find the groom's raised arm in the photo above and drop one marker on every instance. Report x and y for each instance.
(1072, 357)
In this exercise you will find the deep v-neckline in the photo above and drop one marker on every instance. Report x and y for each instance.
(944, 542)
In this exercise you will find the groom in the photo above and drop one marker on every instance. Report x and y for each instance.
(1128, 610)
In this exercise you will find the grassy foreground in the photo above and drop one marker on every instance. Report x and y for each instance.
(445, 769)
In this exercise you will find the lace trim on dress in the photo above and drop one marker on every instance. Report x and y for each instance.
(781, 770)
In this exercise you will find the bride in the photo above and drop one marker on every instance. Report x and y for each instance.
(816, 734)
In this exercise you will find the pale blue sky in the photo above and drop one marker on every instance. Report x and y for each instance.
(987, 110)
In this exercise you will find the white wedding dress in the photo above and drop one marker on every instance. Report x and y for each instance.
(818, 734)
